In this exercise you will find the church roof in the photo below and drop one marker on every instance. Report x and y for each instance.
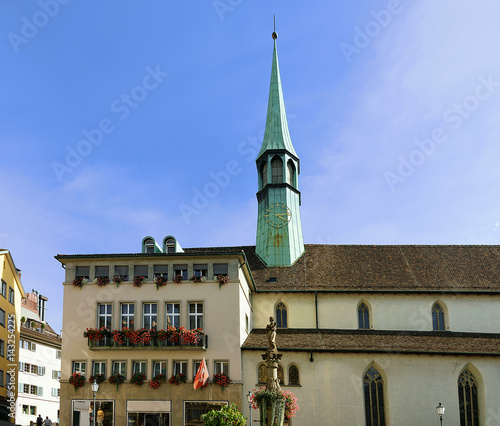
(276, 135)
(395, 268)
(382, 341)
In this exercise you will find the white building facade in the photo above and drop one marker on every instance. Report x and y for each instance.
(39, 364)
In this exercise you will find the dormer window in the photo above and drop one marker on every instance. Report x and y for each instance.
(150, 246)
(273, 280)
(170, 245)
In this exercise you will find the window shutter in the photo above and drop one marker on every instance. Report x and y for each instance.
(33, 347)
(20, 388)
(39, 391)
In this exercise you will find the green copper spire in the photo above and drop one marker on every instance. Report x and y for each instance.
(276, 135)
(279, 239)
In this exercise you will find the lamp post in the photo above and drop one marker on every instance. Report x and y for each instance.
(440, 410)
(95, 388)
(249, 399)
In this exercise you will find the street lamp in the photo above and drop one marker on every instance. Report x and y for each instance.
(249, 399)
(95, 388)
(440, 410)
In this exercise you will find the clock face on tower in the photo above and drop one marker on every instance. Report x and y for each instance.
(278, 215)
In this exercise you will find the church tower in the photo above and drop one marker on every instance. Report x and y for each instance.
(279, 229)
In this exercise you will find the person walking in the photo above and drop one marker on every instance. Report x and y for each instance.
(48, 422)
(39, 420)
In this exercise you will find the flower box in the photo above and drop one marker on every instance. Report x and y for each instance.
(139, 280)
(177, 379)
(77, 380)
(221, 279)
(101, 281)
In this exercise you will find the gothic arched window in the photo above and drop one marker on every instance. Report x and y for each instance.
(290, 177)
(277, 170)
(467, 399)
(437, 317)
(373, 389)
(262, 373)
(293, 375)
(281, 316)
(281, 376)
(363, 317)
(263, 174)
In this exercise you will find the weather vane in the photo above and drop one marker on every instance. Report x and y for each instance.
(275, 34)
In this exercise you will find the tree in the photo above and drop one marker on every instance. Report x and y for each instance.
(226, 416)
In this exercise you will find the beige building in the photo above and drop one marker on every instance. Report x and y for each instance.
(222, 311)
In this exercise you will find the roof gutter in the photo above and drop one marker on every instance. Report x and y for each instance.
(381, 351)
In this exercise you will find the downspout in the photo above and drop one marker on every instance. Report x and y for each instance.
(316, 307)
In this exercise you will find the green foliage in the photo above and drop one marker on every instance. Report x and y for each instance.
(226, 416)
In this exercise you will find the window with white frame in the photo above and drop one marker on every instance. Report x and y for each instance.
(195, 315)
(138, 367)
(221, 367)
(58, 354)
(150, 245)
(120, 367)
(56, 392)
(99, 367)
(200, 270)
(159, 367)
(11, 295)
(196, 367)
(56, 374)
(79, 367)
(180, 367)
(127, 315)
(150, 316)
(2, 317)
(173, 314)
(2, 348)
(3, 289)
(104, 316)
(170, 245)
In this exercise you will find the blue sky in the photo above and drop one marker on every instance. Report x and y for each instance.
(114, 119)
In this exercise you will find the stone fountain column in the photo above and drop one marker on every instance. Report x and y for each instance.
(272, 357)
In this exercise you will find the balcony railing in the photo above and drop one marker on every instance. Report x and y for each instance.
(143, 338)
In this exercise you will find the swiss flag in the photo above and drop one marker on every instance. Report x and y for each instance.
(201, 375)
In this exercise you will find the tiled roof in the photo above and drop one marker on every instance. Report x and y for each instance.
(379, 268)
(48, 337)
(373, 341)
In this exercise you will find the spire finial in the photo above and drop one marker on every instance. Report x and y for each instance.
(275, 34)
